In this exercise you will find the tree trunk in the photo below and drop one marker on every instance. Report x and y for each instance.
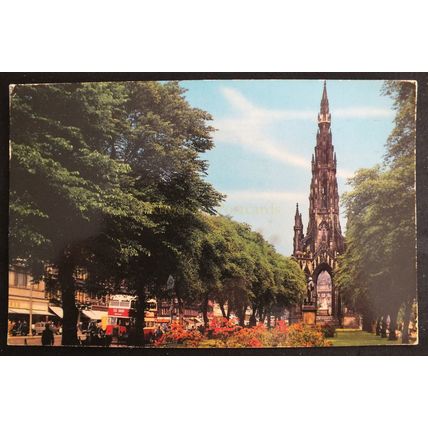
(393, 325)
(67, 283)
(241, 315)
(205, 311)
(383, 326)
(223, 311)
(367, 323)
(253, 320)
(262, 315)
(180, 311)
(228, 311)
(138, 338)
(268, 314)
(406, 322)
(378, 326)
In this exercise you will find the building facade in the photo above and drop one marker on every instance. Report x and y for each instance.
(27, 299)
(318, 250)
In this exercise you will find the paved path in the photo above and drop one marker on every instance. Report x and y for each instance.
(32, 340)
(37, 341)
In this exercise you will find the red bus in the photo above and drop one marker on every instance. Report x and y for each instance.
(121, 316)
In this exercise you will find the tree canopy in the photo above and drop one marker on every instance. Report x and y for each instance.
(109, 177)
(240, 269)
(378, 270)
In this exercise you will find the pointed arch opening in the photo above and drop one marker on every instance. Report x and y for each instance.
(324, 289)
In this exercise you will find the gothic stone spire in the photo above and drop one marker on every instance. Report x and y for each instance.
(298, 231)
(324, 115)
(317, 251)
(323, 231)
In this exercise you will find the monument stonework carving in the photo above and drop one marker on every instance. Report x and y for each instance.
(317, 251)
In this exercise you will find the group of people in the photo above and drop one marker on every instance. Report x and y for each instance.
(18, 328)
(160, 330)
(95, 336)
(22, 328)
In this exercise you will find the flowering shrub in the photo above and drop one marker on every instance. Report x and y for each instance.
(277, 337)
(178, 335)
(221, 328)
(247, 337)
(329, 330)
(300, 335)
(223, 333)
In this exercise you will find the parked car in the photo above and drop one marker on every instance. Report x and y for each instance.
(39, 327)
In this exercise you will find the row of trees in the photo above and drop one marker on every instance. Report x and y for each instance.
(109, 177)
(238, 267)
(378, 270)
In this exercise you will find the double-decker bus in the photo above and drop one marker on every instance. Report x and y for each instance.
(121, 316)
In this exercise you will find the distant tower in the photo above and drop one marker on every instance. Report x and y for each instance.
(298, 232)
(317, 252)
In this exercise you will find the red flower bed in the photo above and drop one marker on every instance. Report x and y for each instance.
(221, 328)
(247, 337)
(304, 336)
(178, 335)
(224, 333)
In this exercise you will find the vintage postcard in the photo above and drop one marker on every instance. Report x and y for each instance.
(196, 214)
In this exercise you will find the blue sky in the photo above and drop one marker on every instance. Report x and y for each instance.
(266, 136)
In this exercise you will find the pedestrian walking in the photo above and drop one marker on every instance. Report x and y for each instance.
(158, 332)
(16, 330)
(24, 328)
(47, 336)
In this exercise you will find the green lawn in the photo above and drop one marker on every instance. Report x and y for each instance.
(359, 338)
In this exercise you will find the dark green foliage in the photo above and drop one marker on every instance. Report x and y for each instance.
(67, 195)
(109, 177)
(378, 270)
(328, 330)
(238, 267)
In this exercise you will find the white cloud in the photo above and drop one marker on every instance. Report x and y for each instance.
(244, 106)
(250, 133)
(248, 129)
(269, 212)
(256, 195)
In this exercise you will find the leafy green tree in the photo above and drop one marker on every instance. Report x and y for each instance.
(290, 283)
(224, 266)
(240, 269)
(66, 190)
(378, 269)
(108, 176)
(164, 151)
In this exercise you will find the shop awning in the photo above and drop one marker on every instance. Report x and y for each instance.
(193, 319)
(94, 315)
(57, 311)
(27, 312)
(99, 314)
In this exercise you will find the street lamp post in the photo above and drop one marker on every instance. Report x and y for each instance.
(30, 324)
